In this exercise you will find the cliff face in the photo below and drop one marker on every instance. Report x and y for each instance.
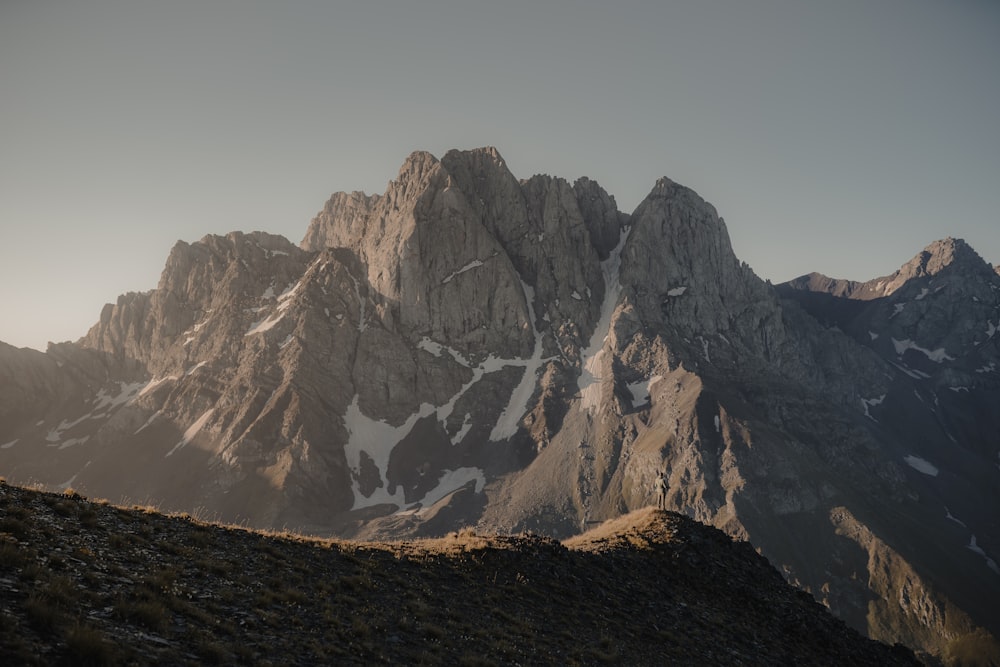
(467, 348)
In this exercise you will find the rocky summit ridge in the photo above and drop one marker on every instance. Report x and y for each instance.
(468, 348)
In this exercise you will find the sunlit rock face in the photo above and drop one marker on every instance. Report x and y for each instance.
(468, 348)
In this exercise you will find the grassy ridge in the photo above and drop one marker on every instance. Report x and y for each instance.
(87, 583)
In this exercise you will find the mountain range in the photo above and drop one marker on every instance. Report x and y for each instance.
(470, 349)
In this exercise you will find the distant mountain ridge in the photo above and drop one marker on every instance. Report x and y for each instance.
(471, 349)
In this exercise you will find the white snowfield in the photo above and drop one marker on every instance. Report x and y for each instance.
(870, 402)
(267, 323)
(192, 431)
(921, 465)
(640, 390)
(377, 439)
(591, 359)
(468, 267)
(975, 548)
(939, 355)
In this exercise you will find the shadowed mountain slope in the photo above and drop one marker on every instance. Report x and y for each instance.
(88, 583)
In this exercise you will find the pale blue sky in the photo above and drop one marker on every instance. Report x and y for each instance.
(840, 137)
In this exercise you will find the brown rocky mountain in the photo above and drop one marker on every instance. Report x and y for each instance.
(470, 349)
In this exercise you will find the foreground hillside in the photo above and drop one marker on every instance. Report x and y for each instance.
(88, 583)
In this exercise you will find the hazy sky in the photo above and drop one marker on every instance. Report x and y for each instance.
(839, 137)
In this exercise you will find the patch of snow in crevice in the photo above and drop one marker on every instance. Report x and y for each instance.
(921, 465)
(153, 384)
(192, 431)
(873, 335)
(923, 292)
(576, 295)
(463, 431)
(640, 390)
(677, 291)
(510, 418)
(73, 441)
(950, 516)
(127, 391)
(718, 424)
(897, 309)
(265, 324)
(362, 325)
(939, 355)
(867, 403)
(915, 374)
(591, 373)
(149, 421)
(704, 349)
(377, 439)
(975, 548)
(194, 368)
(958, 389)
(437, 349)
(288, 339)
(8, 445)
(452, 480)
(988, 369)
(468, 267)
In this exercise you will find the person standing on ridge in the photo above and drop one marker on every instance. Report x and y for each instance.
(661, 490)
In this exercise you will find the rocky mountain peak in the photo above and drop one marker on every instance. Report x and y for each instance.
(468, 348)
(942, 254)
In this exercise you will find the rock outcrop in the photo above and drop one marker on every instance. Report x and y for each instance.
(467, 348)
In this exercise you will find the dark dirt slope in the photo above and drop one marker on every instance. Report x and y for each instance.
(88, 583)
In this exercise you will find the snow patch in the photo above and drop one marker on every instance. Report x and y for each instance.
(127, 391)
(468, 267)
(148, 422)
(463, 431)
(265, 324)
(510, 418)
(718, 424)
(704, 349)
(975, 548)
(958, 389)
(73, 441)
(192, 431)
(948, 515)
(153, 384)
(921, 465)
(194, 368)
(377, 439)
(591, 373)
(576, 295)
(924, 292)
(870, 402)
(939, 355)
(8, 445)
(677, 291)
(640, 390)
(873, 335)
(450, 481)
